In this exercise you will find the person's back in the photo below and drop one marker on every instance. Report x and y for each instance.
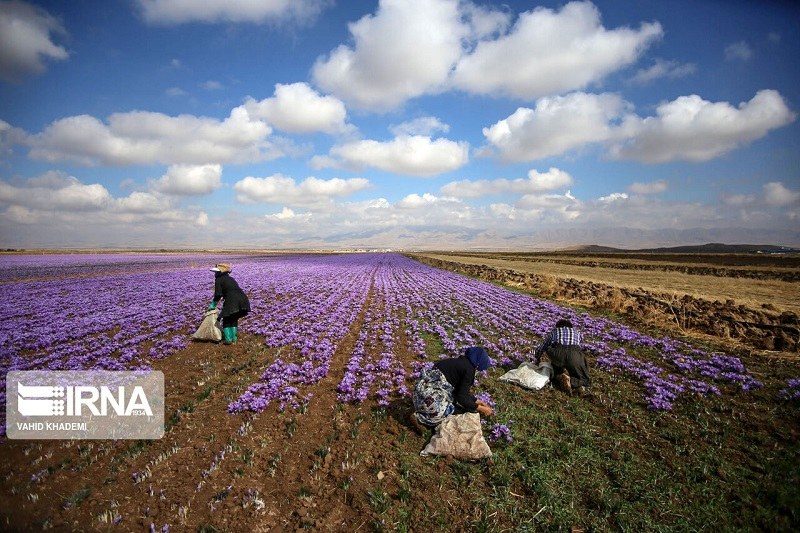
(460, 373)
(443, 388)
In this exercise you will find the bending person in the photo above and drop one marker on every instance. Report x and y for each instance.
(235, 303)
(444, 389)
(563, 347)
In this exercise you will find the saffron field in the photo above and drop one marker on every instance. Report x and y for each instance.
(301, 424)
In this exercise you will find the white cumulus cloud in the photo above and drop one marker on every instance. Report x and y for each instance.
(531, 201)
(141, 137)
(53, 203)
(297, 108)
(26, 40)
(405, 49)
(536, 182)
(190, 180)
(280, 189)
(408, 155)
(692, 129)
(285, 214)
(549, 52)
(414, 201)
(613, 197)
(142, 202)
(688, 128)
(556, 125)
(778, 195)
(409, 48)
(56, 192)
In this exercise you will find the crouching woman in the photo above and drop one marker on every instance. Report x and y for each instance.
(444, 389)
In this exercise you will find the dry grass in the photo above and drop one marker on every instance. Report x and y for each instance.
(655, 260)
(749, 292)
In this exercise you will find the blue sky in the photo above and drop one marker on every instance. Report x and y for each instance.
(398, 123)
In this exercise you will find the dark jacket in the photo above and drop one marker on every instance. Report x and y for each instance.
(226, 288)
(460, 373)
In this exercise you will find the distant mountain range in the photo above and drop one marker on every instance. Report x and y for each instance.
(448, 237)
(710, 248)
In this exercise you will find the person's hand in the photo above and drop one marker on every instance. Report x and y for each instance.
(484, 409)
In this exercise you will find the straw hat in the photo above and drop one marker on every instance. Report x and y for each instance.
(221, 267)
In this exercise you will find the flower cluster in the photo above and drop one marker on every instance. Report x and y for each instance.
(792, 390)
(486, 398)
(501, 432)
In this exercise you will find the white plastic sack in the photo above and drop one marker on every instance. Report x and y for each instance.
(529, 375)
(460, 436)
(208, 330)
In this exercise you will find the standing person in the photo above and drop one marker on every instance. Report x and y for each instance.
(235, 305)
(443, 389)
(563, 346)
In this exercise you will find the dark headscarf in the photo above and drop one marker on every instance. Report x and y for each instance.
(478, 357)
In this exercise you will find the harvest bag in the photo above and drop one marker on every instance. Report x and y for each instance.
(459, 436)
(208, 330)
(432, 397)
(529, 375)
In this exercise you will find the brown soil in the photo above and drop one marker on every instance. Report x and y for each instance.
(313, 469)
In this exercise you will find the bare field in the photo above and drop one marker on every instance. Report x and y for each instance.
(757, 310)
(749, 260)
(783, 295)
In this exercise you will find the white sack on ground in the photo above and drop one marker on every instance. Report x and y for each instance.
(529, 375)
(460, 436)
(208, 330)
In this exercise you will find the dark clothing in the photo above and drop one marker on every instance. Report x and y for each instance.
(235, 303)
(571, 359)
(460, 373)
(232, 321)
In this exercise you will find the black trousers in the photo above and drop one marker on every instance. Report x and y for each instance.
(571, 359)
(232, 321)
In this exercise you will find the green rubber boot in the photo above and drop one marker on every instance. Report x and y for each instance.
(235, 333)
(228, 335)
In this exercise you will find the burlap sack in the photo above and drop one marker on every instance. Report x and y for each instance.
(460, 436)
(208, 330)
